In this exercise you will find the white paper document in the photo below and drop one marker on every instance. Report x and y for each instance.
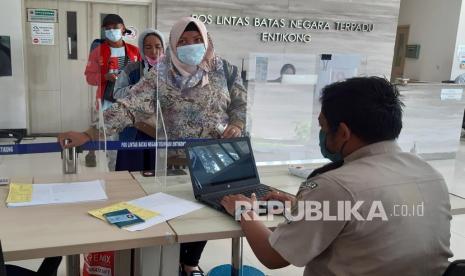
(57, 193)
(168, 206)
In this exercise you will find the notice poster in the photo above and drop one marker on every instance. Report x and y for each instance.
(43, 33)
(461, 56)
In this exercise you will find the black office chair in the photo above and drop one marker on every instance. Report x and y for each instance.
(49, 267)
(456, 268)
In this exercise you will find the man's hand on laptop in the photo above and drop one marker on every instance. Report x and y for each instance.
(278, 196)
(229, 202)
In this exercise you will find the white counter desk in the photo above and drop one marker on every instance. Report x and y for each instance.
(68, 230)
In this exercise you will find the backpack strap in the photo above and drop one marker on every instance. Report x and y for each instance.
(230, 77)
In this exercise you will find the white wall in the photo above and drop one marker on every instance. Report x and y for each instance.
(460, 41)
(433, 25)
(13, 111)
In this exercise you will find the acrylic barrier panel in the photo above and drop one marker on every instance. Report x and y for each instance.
(432, 119)
(283, 102)
(457, 185)
(337, 67)
(17, 165)
(41, 155)
(61, 97)
(161, 152)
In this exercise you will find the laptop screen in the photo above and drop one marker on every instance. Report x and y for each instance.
(220, 162)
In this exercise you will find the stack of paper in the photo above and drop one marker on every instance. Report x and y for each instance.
(154, 209)
(167, 206)
(55, 193)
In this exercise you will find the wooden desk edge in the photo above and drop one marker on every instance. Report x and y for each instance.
(195, 237)
(96, 247)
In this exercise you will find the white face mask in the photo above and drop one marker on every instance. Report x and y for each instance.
(114, 35)
(191, 54)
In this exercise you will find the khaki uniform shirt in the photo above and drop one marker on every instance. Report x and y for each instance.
(411, 239)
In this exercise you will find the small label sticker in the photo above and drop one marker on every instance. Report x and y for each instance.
(451, 94)
(121, 218)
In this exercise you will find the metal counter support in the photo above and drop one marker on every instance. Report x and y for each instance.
(73, 265)
(69, 157)
(236, 256)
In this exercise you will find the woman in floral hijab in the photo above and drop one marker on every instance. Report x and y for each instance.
(200, 94)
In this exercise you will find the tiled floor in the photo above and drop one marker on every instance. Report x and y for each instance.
(218, 251)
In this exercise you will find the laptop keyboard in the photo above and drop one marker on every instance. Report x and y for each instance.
(260, 192)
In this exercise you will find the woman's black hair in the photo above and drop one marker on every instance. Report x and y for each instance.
(288, 66)
(154, 34)
(191, 27)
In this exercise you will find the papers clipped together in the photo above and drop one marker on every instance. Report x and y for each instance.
(167, 206)
(21, 195)
(153, 209)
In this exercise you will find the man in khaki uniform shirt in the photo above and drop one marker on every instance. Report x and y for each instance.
(387, 212)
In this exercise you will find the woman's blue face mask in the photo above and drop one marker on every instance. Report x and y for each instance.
(334, 157)
(191, 54)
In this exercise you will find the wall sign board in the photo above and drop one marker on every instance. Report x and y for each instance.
(42, 15)
(285, 29)
(43, 33)
(451, 94)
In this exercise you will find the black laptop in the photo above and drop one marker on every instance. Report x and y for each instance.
(221, 167)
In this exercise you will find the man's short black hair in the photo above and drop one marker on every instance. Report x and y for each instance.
(111, 19)
(369, 106)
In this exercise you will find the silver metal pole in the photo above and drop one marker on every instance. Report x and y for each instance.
(73, 267)
(69, 157)
(236, 256)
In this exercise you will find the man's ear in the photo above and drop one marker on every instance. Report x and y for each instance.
(344, 132)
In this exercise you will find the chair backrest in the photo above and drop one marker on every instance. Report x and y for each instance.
(2, 262)
(456, 268)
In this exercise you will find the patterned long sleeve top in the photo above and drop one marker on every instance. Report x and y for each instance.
(189, 109)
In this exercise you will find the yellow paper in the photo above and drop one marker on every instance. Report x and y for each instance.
(19, 193)
(140, 212)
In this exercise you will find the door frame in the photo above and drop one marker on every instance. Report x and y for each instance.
(402, 65)
(151, 13)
